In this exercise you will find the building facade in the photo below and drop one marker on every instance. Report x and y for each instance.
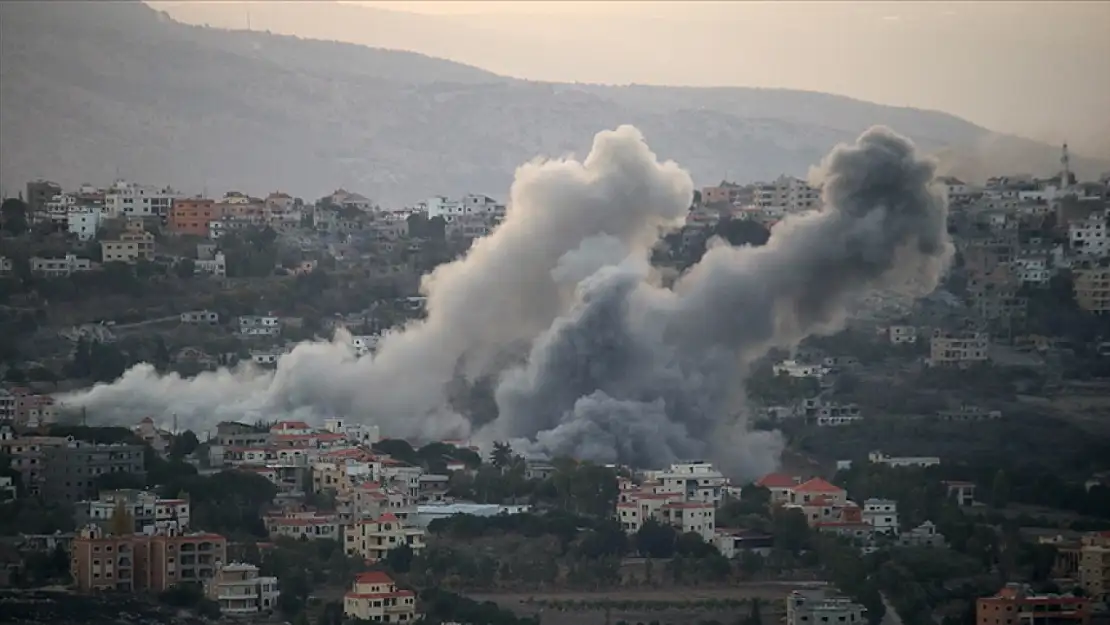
(375, 597)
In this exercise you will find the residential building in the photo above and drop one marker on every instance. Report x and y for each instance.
(468, 205)
(365, 344)
(28, 456)
(697, 481)
(83, 223)
(254, 325)
(814, 606)
(8, 488)
(881, 514)
(968, 412)
(1015, 604)
(1034, 270)
(239, 589)
(145, 508)
(39, 192)
(70, 470)
(133, 244)
(958, 350)
(902, 335)
(6, 265)
(127, 199)
(727, 193)
(878, 457)
(817, 488)
(1091, 236)
(215, 266)
(59, 267)
(780, 485)
(924, 535)
(426, 513)
(158, 439)
(191, 216)
(1092, 287)
(1094, 565)
(372, 539)
(361, 433)
(786, 195)
(375, 597)
(304, 525)
(824, 413)
(266, 357)
(203, 317)
(962, 492)
(99, 561)
(796, 369)
(170, 557)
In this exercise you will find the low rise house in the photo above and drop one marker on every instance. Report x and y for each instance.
(59, 267)
(133, 244)
(1016, 603)
(239, 589)
(200, 317)
(958, 350)
(375, 597)
(820, 605)
(254, 325)
(924, 535)
(215, 266)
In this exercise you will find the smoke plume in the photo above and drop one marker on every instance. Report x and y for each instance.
(615, 366)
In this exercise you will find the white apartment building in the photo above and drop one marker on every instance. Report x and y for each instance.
(881, 514)
(696, 481)
(960, 350)
(797, 369)
(902, 335)
(216, 266)
(786, 195)
(469, 205)
(127, 199)
(148, 511)
(305, 525)
(59, 267)
(818, 606)
(1091, 237)
(239, 589)
(206, 317)
(83, 223)
(878, 457)
(363, 433)
(254, 325)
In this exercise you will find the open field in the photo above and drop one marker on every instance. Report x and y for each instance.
(675, 605)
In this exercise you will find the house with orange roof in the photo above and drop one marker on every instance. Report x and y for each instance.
(374, 597)
(371, 539)
(817, 487)
(780, 485)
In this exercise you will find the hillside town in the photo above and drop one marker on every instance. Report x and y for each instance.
(945, 462)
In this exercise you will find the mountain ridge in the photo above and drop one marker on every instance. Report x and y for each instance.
(99, 89)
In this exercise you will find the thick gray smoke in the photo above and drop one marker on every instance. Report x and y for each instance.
(638, 373)
(619, 367)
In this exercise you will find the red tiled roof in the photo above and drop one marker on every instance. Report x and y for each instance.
(373, 577)
(686, 505)
(378, 595)
(776, 480)
(817, 485)
(388, 517)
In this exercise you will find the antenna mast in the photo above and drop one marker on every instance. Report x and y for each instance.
(1065, 174)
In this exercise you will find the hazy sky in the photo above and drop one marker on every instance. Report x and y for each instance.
(1038, 69)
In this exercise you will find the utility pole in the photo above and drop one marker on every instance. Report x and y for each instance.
(175, 424)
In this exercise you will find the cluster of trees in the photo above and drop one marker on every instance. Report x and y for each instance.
(442, 606)
(96, 361)
(14, 219)
(432, 457)
(687, 248)
(190, 595)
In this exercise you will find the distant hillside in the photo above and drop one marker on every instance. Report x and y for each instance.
(91, 90)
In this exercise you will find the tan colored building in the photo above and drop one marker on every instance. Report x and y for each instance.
(375, 597)
(1092, 288)
(958, 350)
(372, 539)
(1015, 605)
(134, 243)
(148, 562)
(1094, 566)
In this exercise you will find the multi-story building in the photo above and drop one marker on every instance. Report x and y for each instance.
(727, 193)
(215, 266)
(28, 455)
(70, 470)
(825, 413)
(697, 481)
(1094, 565)
(372, 539)
(239, 589)
(39, 192)
(902, 335)
(134, 243)
(127, 199)
(191, 216)
(304, 525)
(818, 606)
(148, 511)
(171, 557)
(32, 409)
(786, 195)
(1091, 236)
(59, 267)
(797, 369)
(881, 514)
(254, 325)
(958, 350)
(375, 597)
(1092, 286)
(1015, 604)
(83, 223)
(100, 561)
(469, 205)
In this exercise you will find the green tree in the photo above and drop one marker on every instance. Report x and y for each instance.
(755, 616)
(655, 540)
(790, 529)
(1000, 490)
(399, 559)
(184, 444)
(501, 456)
(185, 269)
(13, 216)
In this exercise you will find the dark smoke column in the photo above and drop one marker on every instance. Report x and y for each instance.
(640, 374)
